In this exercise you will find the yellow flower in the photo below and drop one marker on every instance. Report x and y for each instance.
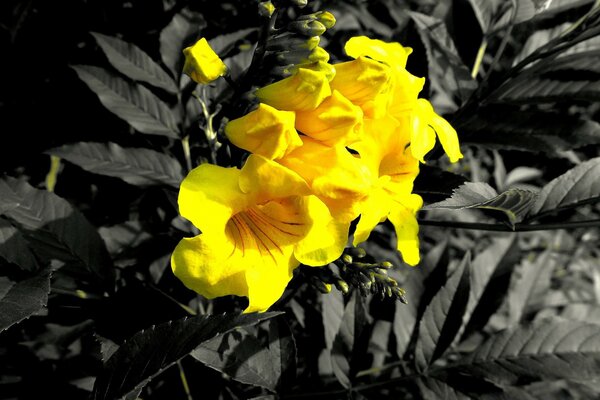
(393, 54)
(202, 64)
(335, 121)
(338, 178)
(364, 82)
(257, 225)
(265, 131)
(384, 150)
(303, 91)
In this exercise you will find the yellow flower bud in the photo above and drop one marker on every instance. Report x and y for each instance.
(265, 131)
(300, 92)
(266, 8)
(307, 28)
(319, 66)
(202, 64)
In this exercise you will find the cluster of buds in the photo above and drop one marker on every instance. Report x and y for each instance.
(353, 271)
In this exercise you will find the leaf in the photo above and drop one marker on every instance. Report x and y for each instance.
(332, 305)
(151, 351)
(530, 281)
(130, 60)
(419, 291)
(446, 68)
(435, 184)
(513, 203)
(434, 389)
(14, 247)
(577, 186)
(55, 230)
(534, 91)
(24, 298)
(504, 127)
(137, 166)
(548, 350)
(223, 44)
(442, 318)
(9, 200)
(245, 358)
(131, 102)
(181, 32)
(486, 11)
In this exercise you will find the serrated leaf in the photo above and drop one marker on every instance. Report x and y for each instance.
(24, 298)
(548, 350)
(137, 166)
(416, 285)
(151, 351)
(131, 61)
(56, 230)
(534, 91)
(131, 102)
(14, 247)
(245, 358)
(501, 127)
(576, 186)
(513, 203)
(445, 65)
(183, 29)
(435, 184)
(442, 318)
(434, 389)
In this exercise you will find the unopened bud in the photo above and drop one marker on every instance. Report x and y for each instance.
(289, 41)
(266, 9)
(386, 265)
(299, 3)
(342, 286)
(307, 28)
(318, 54)
(347, 258)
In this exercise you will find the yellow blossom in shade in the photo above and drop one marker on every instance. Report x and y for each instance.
(385, 151)
(258, 224)
(265, 131)
(335, 121)
(365, 82)
(338, 178)
(303, 91)
(202, 64)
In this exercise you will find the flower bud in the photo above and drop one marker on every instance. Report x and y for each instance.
(342, 286)
(324, 17)
(202, 64)
(303, 91)
(307, 28)
(266, 9)
(290, 41)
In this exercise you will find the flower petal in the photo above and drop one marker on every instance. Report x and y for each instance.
(302, 91)
(265, 131)
(210, 195)
(393, 54)
(403, 217)
(264, 180)
(374, 210)
(361, 80)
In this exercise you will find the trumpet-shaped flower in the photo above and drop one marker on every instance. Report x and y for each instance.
(385, 151)
(202, 64)
(257, 225)
(335, 121)
(303, 91)
(265, 131)
(338, 178)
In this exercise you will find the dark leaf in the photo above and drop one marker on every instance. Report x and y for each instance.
(55, 230)
(181, 32)
(547, 350)
(14, 247)
(513, 203)
(576, 186)
(149, 352)
(245, 358)
(131, 102)
(435, 184)
(223, 44)
(442, 318)
(24, 298)
(434, 389)
(130, 60)
(487, 11)
(446, 69)
(137, 166)
(528, 130)
(529, 90)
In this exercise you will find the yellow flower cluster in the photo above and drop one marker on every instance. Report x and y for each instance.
(325, 149)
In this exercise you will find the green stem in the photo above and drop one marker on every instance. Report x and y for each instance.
(517, 227)
(184, 382)
(479, 58)
(185, 144)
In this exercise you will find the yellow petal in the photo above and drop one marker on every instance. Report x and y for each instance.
(422, 138)
(338, 178)
(374, 210)
(210, 195)
(202, 64)
(361, 80)
(326, 238)
(393, 54)
(335, 121)
(265, 131)
(267, 284)
(403, 217)
(426, 123)
(263, 180)
(300, 92)
(447, 136)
